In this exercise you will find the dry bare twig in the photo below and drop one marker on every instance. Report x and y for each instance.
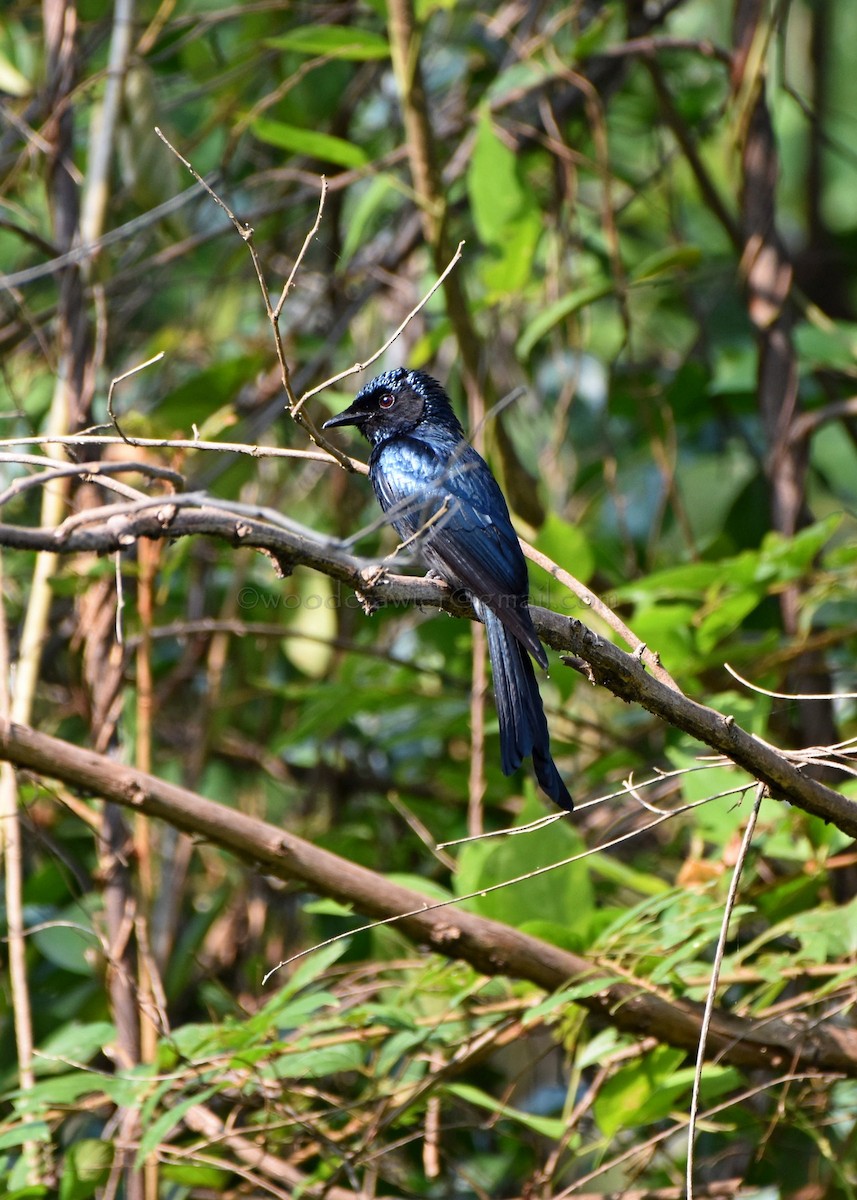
(712, 986)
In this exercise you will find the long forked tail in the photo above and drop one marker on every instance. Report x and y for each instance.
(523, 726)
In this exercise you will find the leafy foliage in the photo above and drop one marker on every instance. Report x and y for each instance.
(592, 158)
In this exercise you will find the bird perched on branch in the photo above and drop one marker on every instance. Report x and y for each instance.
(440, 494)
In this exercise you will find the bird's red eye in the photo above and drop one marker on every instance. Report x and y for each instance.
(387, 400)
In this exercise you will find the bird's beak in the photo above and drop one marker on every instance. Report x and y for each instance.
(348, 416)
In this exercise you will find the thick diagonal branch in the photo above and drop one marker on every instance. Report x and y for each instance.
(489, 946)
(622, 674)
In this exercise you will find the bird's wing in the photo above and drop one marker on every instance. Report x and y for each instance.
(455, 506)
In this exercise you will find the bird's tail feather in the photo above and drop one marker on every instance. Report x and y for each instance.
(523, 725)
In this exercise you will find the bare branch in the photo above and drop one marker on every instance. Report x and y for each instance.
(805, 424)
(95, 439)
(287, 286)
(622, 674)
(597, 605)
(715, 979)
(118, 379)
(488, 945)
(754, 687)
(245, 232)
(88, 472)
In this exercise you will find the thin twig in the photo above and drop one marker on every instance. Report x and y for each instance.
(243, 229)
(88, 472)
(715, 977)
(120, 599)
(245, 232)
(314, 228)
(361, 366)
(597, 605)
(754, 687)
(490, 946)
(806, 423)
(485, 891)
(89, 439)
(118, 379)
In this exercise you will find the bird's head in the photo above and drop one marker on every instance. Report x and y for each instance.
(397, 402)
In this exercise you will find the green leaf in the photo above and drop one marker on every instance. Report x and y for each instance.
(833, 346)
(58, 1089)
(396, 1047)
(496, 194)
(829, 933)
(725, 615)
(130, 1087)
(594, 34)
(567, 546)
(29, 1131)
(639, 1091)
(197, 1041)
(624, 875)
(196, 1177)
(559, 1001)
(423, 9)
(550, 316)
(203, 394)
(716, 821)
(594, 1051)
(372, 199)
(664, 262)
(520, 76)
(421, 884)
(11, 80)
(85, 1167)
(328, 908)
(316, 1063)
(157, 1131)
(510, 267)
(291, 1015)
(788, 557)
(549, 1127)
(70, 942)
(77, 1041)
(311, 142)
(563, 895)
(504, 208)
(333, 41)
(687, 582)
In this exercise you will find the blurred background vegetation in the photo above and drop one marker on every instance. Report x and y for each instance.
(658, 207)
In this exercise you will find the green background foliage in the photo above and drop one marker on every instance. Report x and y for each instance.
(591, 157)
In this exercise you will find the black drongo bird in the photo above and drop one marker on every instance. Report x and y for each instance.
(441, 493)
